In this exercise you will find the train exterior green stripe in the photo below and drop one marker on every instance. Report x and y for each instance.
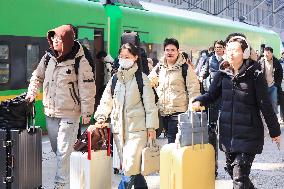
(35, 17)
(32, 19)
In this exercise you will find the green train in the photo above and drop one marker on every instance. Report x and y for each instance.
(24, 25)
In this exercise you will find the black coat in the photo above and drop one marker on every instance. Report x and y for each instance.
(277, 71)
(243, 96)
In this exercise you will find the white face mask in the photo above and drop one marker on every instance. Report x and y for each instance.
(126, 63)
(204, 55)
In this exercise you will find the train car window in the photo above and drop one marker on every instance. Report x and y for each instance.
(4, 73)
(32, 59)
(4, 52)
(4, 64)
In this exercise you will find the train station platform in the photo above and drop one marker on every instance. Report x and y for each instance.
(267, 169)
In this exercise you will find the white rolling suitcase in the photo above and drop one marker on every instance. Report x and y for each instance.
(90, 170)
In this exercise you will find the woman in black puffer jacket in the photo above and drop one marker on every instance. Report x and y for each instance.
(242, 86)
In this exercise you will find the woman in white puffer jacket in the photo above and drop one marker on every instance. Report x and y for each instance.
(132, 121)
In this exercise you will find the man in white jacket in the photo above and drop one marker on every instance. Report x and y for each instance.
(68, 93)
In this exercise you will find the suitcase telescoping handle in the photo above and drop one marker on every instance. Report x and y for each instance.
(31, 118)
(90, 144)
(201, 109)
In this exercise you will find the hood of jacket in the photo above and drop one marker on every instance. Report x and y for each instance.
(66, 33)
(247, 66)
(180, 61)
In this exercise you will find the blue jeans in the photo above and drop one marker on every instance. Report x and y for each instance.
(138, 181)
(272, 92)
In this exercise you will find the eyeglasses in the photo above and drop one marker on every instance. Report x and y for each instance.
(219, 47)
(57, 38)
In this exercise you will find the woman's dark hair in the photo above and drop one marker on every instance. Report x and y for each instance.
(268, 49)
(234, 35)
(220, 42)
(131, 48)
(204, 51)
(185, 55)
(243, 42)
(171, 41)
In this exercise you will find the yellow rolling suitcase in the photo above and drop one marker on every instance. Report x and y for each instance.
(189, 167)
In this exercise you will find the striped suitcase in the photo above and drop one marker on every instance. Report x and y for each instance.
(21, 159)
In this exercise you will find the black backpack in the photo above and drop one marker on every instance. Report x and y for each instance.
(139, 80)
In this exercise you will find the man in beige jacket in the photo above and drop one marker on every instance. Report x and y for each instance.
(174, 88)
(68, 92)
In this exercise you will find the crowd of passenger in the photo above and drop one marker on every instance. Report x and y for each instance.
(241, 90)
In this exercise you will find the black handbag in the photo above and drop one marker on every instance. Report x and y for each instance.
(16, 113)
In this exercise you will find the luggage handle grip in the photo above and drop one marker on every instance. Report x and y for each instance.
(32, 117)
(201, 125)
(89, 134)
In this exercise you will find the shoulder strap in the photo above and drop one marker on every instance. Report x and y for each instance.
(77, 64)
(139, 80)
(113, 84)
(47, 58)
(184, 73)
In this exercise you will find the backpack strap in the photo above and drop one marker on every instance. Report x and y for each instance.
(139, 80)
(77, 64)
(47, 58)
(113, 83)
(184, 68)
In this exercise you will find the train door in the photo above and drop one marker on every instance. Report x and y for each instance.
(93, 39)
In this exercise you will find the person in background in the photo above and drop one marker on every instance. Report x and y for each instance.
(281, 92)
(67, 95)
(281, 60)
(174, 88)
(188, 61)
(108, 61)
(207, 74)
(273, 74)
(133, 119)
(211, 51)
(201, 61)
(150, 64)
(241, 83)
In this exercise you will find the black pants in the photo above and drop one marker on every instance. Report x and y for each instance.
(238, 165)
(170, 123)
(281, 102)
(213, 113)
